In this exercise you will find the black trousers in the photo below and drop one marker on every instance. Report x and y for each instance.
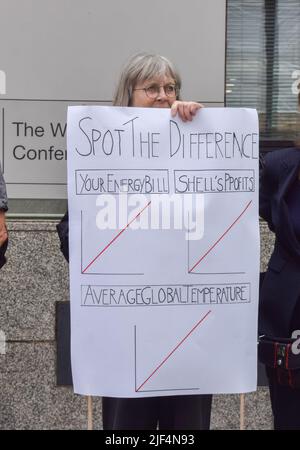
(180, 412)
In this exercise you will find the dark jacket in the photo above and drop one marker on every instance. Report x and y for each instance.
(3, 196)
(280, 290)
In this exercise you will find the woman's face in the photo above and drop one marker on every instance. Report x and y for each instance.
(150, 99)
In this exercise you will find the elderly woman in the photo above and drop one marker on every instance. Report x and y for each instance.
(279, 315)
(151, 81)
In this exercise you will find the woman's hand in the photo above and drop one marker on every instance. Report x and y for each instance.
(185, 110)
(3, 230)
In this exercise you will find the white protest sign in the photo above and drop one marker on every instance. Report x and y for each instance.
(164, 251)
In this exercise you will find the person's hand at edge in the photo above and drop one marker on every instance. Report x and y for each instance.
(185, 110)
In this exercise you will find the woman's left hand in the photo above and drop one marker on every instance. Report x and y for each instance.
(185, 110)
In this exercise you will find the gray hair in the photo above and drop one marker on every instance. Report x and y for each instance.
(141, 67)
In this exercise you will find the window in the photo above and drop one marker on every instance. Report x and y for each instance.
(263, 65)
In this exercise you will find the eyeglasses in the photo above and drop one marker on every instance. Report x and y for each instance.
(153, 91)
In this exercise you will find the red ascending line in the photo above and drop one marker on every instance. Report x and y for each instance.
(115, 238)
(220, 238)
(171, 353)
